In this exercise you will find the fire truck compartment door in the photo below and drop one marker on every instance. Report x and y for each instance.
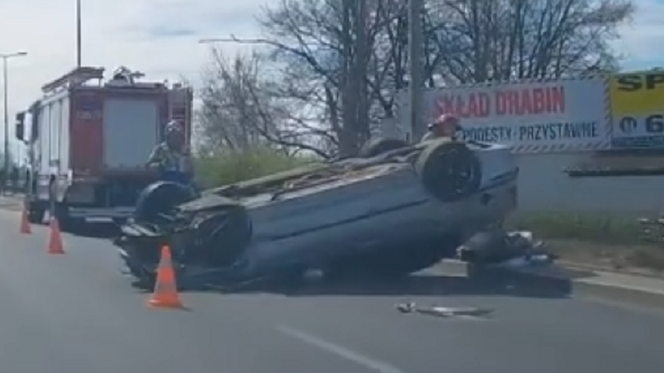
(130, 131)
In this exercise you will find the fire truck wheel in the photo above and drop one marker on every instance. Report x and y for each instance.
(36, 213)
(65, 221)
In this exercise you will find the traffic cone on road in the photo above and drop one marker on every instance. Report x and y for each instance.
(165, 293)
(55, 238)
(25, 223)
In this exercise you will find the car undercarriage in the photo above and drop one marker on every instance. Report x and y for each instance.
(390, 213)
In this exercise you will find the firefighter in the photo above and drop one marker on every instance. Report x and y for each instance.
(171, 155)
(446, 125)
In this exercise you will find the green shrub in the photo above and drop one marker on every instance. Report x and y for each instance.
(599, 228)
(611, 241)
(232, 167)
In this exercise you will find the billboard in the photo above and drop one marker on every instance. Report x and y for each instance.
(535, 116)
(637, 105)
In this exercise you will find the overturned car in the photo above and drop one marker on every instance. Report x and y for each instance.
(397, 209)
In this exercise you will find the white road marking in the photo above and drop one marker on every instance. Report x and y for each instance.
(354, 356)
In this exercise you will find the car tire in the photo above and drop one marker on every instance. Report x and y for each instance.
(449, 170)
(36, 213)
(380, 145)
(159, 198)
(66, 223)
(223, 233)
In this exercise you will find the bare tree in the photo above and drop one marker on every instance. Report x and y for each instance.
(467, 41)
(242, 107)
(338, 63)
(324, 49)
(498, 40)
(226, 117)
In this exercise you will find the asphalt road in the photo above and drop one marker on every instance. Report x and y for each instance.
(76, 313)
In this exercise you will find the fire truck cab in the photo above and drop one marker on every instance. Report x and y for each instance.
(88, 140)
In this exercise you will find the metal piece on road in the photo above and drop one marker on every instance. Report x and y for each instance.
(354, 356)
(439, 311)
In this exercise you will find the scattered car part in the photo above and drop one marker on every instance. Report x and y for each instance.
(411, 307)
(496, 246)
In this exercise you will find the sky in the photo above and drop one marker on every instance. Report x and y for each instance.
(160, 37)
(157, 37)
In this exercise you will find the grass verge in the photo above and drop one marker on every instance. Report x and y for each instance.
(613, 242)
(232, 167)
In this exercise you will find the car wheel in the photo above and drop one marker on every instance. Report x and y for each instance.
(223, 234)
(72, 225)
(66, 223)
(36, 214)
(160, 198)
(449, 170)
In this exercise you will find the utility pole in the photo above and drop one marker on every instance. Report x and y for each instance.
(348, 82)
(416, 58)
(5, 93)
(78, 33)
(360, 71)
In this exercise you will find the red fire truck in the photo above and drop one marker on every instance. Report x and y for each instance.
(88, 140)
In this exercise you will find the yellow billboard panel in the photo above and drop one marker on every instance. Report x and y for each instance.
(637, 106)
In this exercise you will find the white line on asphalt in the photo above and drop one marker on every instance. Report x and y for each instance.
(340, 351)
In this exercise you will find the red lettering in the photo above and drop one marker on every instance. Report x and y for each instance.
(499, 102)
(512, 103)
(472, 108)
(459, 108)
(484, 105)
(445, 105)
(526, 103)
(557, 99)
(538, 101)
(476, 105)
(544, 100)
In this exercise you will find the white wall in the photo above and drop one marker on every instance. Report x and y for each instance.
(543, 186)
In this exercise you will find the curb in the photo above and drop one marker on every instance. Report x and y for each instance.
(557, 279)
(622, 294)
(12, 202)
(590, 267)
(11, 206)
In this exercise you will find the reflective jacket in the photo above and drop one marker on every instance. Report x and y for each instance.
(167, 159)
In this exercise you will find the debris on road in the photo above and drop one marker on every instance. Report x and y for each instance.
(411, 307)
(510, 249)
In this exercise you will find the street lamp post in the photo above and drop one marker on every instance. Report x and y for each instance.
(5, 88)
(416, 59)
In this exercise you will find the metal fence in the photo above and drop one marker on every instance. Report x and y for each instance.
(13, 187)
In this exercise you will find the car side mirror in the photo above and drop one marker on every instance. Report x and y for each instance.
(19, 131)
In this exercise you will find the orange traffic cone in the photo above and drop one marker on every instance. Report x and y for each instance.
(55, 239)
(165, 293)
(25, 224)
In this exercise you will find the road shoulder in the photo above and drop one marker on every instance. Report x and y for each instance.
(583, 282)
